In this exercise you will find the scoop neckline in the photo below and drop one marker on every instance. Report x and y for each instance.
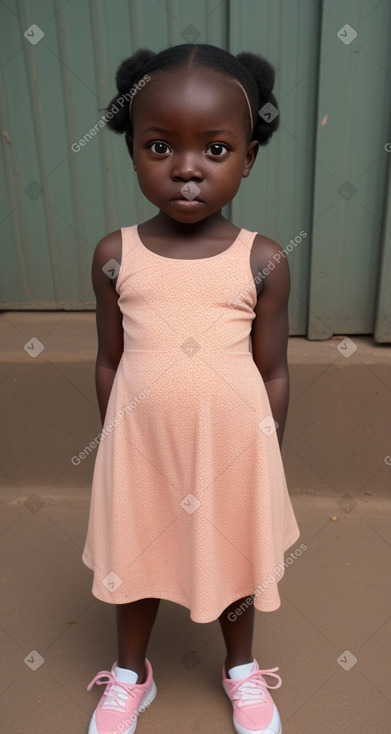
(187, 260)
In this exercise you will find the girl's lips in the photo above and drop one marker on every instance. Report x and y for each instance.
(187, 203)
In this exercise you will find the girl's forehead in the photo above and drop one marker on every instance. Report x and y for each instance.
(199, 92)
(183, 77)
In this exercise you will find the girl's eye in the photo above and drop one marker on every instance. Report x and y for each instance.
(161, 148)
(217, 149)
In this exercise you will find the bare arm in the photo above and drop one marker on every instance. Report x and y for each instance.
(108, 319)
(270, 333)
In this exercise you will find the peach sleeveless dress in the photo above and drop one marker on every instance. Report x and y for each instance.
(189, 499)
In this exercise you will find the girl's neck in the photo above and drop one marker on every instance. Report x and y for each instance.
(214, 225)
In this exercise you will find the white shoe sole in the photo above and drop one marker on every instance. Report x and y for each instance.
(240, 730)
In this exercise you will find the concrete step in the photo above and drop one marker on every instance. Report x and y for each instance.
(337, 437)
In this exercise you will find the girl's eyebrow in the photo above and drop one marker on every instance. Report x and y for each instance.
(156, 129)
(206, 132)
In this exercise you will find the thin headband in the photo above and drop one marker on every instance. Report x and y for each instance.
(233, 79)
(248, 102)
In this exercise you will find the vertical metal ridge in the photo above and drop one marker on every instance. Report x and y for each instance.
(15, 193)
(99, 49)
(39, 128)
(382, 328)
(76, 194)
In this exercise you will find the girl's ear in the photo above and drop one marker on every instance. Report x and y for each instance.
(251, 155)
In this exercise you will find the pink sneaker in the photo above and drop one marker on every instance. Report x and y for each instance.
(121, 703)
(254, 710)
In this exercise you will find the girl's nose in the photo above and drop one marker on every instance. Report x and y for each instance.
(187, 167)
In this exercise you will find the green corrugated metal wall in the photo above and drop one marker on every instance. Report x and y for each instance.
(325, 172)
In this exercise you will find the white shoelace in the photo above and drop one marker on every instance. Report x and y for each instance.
(250, 693)
(116, 699)
(117, 693)
(253, 690)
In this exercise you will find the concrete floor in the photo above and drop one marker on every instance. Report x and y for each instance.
(331, 636)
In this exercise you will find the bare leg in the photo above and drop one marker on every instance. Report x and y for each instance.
(134, 626)
(238, 634)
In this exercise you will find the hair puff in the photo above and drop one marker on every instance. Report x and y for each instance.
(130, 69)
(262, 73)
(128, 73)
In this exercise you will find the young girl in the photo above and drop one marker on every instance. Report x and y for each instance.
(189, 499)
